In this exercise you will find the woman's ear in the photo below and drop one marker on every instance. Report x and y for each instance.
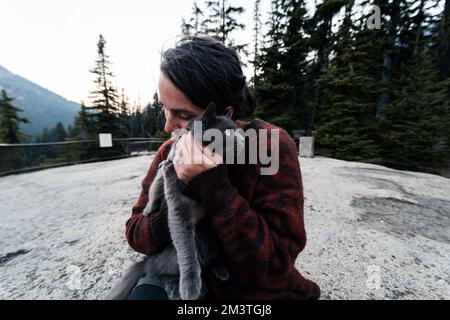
(230, 112)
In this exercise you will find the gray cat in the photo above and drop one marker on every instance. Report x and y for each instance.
(179, 265)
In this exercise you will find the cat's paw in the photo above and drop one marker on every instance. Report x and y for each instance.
(152, 206)
(169, 173)
(190, 286)
(172, 290)
(167, 167)
(147, 210)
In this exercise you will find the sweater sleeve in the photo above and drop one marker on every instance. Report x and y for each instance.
(148, 234)
(263, 237)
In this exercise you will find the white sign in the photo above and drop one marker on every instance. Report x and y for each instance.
(306, 147)
(105, 140)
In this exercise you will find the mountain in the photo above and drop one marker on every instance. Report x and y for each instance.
(42, 107)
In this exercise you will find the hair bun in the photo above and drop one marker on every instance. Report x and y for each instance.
(249, 102)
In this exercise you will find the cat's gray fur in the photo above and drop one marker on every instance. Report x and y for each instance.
(192, 248)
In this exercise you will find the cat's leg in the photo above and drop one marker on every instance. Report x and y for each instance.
(155, 194)
(162, 270)
(182, 218)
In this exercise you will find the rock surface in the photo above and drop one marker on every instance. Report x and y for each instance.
(373, 232)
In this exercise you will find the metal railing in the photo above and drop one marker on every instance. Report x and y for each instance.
(26, 157)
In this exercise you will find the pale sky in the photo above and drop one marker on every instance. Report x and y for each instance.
(53, 42)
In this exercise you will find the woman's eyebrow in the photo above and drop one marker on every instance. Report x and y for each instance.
(180, 109)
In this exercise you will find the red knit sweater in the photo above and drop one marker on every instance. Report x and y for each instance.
(258, 219)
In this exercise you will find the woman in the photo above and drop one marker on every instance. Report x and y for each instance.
(258, 218)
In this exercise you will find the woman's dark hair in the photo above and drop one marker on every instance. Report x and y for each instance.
(205, 70)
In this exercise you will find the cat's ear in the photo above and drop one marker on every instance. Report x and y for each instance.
(209, 113)
(230, 112)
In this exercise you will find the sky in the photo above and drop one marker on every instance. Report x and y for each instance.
(53, 42)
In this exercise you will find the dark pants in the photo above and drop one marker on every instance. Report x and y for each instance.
(148, 292)
(150, 287)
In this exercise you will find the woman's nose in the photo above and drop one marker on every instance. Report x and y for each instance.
(172, 123)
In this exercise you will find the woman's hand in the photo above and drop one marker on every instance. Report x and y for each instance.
(192, 159)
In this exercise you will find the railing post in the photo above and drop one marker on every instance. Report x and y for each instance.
(306, 147)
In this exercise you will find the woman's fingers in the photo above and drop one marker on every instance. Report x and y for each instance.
(191, 158)
(214, 157)
(189, 152)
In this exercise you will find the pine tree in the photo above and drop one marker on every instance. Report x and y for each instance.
(395, 29)
(295, 62)
(372, 95)
(39, 155)
(347, 113)
(195, 24)
(124, 114)
(444, 42)
(10, 133)
(56, 153)
(10, 122)
(282, 89)
(151, 116)
(45, 137)
(82, 130)
(414, 111)
(319, 28)
(186, 28)
(418, 119)
(256, 39)
(104, 97)
(70, 131)
(60, 132)
(105, 103)
(221, 22)
(137, 121)
(271, 90)
(443, 50)
(83, 124)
